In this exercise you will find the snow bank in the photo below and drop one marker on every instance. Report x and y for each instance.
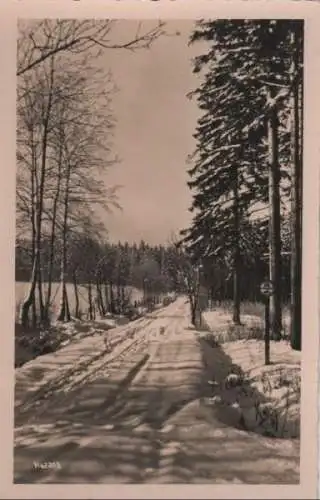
(32, 343)
(263, 399)
(252, 325)
(221, 318)
(58, 366)
(274, 390)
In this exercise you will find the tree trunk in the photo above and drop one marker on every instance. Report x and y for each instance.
(76, 295)
(53, 231)
(34, 312)
(236, 255)
(64, 311)
(40, 294)
(274, 227)
(30, 298)
(236, 298)
(119, 297)
(112, 304)
(144, 291)
(106, 297)
(193, 310)
(68, 315)
(90, 308)
(34, 306)
(39, 205)
(33, 225)
(212, 295)
(123, 297)
(64, 314)
(100, 303)
(193, 316)
(296, 195)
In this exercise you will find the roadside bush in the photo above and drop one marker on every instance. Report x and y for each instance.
(166, 301)
(265, 401)
(132, 313)
(30, 344)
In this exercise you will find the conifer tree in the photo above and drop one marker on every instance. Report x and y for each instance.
(245, 99)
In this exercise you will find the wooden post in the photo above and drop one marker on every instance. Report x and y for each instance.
(267, 291)
(267, 331)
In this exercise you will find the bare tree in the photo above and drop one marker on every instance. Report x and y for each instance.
(64, 134)
(43, 93)
(86, 152)
(64, 138)
(39, 40)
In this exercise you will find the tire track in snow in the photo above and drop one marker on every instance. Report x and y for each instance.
(146, 398)
(84, 370)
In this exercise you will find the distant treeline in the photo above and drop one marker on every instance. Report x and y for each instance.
(154, 269)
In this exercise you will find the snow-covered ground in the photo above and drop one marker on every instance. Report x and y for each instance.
(84, 342)
(31, 343)
(21, 288)
(265, 399)
(137, 417)
(220, 320)
(79, 351)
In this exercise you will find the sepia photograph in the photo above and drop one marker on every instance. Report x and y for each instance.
(158, 251)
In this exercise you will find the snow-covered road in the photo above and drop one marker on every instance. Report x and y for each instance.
(135, 415)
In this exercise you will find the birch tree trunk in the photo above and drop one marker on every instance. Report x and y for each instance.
(30, 299)
(100, 303)
(40, 292)
(64, 313)
(39, 203)
(90, 308)
(112, 305)
(53, 228)
(76, 295)
(33, 226)
(106, 297)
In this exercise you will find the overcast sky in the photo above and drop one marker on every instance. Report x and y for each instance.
(155, 123)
